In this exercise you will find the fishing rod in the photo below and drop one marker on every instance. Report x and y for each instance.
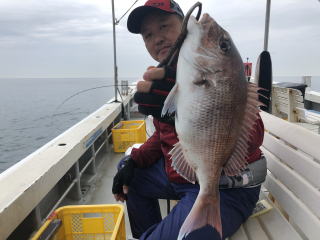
(172, 53)
(86, 90)
(90, 89)
(167, 61)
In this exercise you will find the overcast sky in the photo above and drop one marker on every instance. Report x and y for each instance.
(73, 38)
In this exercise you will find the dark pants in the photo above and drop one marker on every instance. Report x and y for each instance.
(151, 184)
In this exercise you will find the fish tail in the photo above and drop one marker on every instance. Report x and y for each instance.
(205, 211)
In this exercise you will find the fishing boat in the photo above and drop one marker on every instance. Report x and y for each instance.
(77, 168)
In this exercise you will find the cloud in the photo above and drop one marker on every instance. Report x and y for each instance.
(74, 37)
(52, 21)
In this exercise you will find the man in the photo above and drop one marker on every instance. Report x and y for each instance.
(146, 175)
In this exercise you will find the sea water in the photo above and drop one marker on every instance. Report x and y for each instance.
(32, 113)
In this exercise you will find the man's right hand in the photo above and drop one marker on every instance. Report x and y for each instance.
(152, 92)
(122, 179)
(152, 74)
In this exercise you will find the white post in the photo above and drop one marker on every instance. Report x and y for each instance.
(266, 29)
(291, 115)
(114, 53)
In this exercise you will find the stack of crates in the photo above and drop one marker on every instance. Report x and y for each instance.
(127, 133)
(99, 222)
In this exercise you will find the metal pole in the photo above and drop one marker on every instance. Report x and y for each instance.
(76, 192)
(114, 54)
(266, 30)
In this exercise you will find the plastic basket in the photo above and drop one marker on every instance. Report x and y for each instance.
(127, 133)
(84, 222)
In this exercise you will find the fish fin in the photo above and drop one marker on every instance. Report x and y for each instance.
(180, 165)
(170, 102)
(205, 211)
(238, 159)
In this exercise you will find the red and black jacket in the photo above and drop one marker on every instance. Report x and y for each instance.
(161, 142)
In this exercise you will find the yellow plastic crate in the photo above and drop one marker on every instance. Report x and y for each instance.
(127, 133)
(84, 222)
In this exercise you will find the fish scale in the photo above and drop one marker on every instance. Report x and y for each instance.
(216, 108)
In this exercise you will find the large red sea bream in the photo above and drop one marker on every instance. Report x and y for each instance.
(216, 109)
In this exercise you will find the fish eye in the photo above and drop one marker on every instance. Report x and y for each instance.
(203, 82)
(225, 44)
(200, 82)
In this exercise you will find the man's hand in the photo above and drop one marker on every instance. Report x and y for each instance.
(152, 92)
(152, 73)
(122, 179)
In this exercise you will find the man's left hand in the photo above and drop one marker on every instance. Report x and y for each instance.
(122, 179)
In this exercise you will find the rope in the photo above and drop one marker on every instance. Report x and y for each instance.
(118, 21)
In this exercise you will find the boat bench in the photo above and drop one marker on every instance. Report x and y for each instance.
(288, 103)
(291, 187)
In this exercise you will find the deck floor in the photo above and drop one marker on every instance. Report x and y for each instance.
(100, 192)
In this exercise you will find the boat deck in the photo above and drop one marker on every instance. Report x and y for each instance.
(100, 192)
(75, 168)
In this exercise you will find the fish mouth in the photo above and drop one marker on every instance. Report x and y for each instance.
(208, 22)
(206, 19)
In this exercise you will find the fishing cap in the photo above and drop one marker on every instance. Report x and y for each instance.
(136, 16)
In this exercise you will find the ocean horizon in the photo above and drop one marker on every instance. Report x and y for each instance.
(32, 112)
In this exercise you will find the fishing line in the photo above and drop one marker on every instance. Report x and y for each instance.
(87, 90)
(118, 21)
(172, 53)
(80, 92)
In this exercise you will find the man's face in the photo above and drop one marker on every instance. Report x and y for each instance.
(159, 32)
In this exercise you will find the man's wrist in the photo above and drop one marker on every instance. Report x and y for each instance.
(131, 162)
